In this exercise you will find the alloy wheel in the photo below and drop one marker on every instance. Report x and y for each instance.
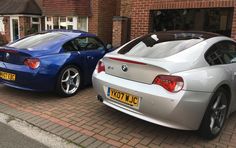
(70, 80)
(218, 113)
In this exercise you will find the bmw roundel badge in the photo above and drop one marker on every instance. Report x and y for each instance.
(124, 68)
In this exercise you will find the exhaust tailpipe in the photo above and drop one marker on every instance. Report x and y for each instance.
(99, 98)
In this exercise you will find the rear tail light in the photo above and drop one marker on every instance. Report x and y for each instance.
(100, 67)
(32, 63)
(170, 83)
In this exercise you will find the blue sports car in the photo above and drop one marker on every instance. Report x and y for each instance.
(54, 60)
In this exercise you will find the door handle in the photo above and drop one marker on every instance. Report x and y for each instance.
(90, 57)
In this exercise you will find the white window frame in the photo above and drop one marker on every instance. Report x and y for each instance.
(86, 23)
(50, 23)
(38, 23)
(11, 29)
(2, 27)
(74, 23)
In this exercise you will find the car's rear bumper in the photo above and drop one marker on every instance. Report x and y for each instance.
(28, 79)
(182, 110)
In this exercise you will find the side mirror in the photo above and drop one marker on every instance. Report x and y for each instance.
(109, 46)
(233, 60)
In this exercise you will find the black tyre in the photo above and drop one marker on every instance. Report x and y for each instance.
(215, 115)
(69, 81)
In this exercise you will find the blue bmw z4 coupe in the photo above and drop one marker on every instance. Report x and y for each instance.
(57, 60)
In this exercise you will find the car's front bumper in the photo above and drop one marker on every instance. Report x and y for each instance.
(183, 110)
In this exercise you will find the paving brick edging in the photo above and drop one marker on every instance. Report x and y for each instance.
(71, 118)
(72, 133)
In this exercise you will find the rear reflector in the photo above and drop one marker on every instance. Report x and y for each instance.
(170, 83)
(128, 61)
(8, 51)
(32, 63)
(100, 67)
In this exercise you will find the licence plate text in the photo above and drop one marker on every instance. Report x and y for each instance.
(123, 97)
(7, 76)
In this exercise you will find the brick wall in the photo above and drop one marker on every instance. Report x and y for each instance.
(93, 19)
(107, 9)
(233, 34)
(125, 8)
(141, 8)
(121, 23)
(120, 31)
(117, 33)
(118, 7)
(7, 28)
(24, 25)
(100, 21)
(66, 7)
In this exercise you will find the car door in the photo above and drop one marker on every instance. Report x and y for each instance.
(224, 54)
(92, 49)
(229, 50)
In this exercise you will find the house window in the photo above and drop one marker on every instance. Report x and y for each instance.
(70, 23)
(63, 23)
(218, 20)
(76, 23)
(56, 23)
(35, 24)
(48, 23)
(82, 24)
(2, 30)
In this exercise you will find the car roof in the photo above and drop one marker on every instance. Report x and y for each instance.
(70, 33)
(166, 36)
(62, 36)
(177, 34)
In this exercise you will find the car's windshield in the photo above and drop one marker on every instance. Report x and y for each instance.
(32, 42)
(155, 47)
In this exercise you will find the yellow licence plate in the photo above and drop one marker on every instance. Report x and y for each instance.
(123, 97)
(7, 76)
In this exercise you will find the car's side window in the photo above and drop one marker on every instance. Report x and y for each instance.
(89, 43)
(221, 53)
(70, 46)
(231, 53)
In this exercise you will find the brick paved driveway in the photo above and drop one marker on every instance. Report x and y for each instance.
(85, 121)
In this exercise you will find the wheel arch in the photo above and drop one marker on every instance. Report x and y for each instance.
(202, 127)
(226, 87)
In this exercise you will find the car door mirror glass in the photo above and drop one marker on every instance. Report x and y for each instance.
(233, 60)
(109, 46)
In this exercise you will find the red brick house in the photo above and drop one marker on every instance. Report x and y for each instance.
(17, 18)
(159, 15)
(21, 17)
(132, 17)
(94, 16)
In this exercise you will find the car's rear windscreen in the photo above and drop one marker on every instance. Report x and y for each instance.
(154, 47)
(35, 41)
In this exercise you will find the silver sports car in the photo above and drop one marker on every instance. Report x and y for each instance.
(181, 80)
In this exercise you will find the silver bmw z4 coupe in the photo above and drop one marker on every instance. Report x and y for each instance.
(181, 80)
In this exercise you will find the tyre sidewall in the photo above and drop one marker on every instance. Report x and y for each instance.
(204, 129)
